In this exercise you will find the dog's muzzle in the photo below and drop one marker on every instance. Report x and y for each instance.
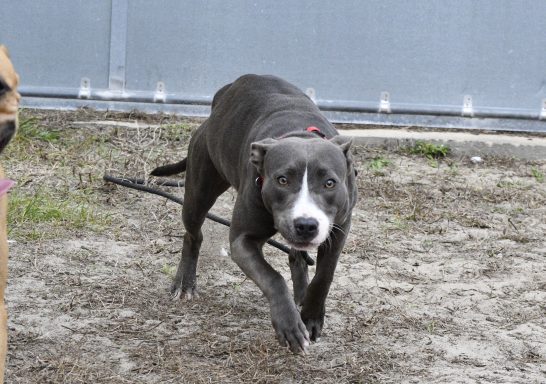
(7, 130)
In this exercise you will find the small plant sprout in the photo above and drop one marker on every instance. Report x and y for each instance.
(537, 174)
(168, 270)
(429, 150)
(378, 164)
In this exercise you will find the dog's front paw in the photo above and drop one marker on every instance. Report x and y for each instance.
(289, 328)
(313, 322)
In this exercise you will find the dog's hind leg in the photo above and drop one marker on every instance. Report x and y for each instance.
(203, 186)
(299, 273)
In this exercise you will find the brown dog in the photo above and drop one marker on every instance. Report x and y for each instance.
(9, 103)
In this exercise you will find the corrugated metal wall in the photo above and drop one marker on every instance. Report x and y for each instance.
(438, 58)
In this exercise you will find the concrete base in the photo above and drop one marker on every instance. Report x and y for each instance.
(518, 145)
(528, 147)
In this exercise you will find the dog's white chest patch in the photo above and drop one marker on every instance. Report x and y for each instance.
(306, 207)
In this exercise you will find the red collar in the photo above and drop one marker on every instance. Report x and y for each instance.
(315, 130)
(311, 129)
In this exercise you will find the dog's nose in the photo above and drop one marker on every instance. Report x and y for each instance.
(306, 228)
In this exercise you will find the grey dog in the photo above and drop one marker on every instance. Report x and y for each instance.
(293, 175)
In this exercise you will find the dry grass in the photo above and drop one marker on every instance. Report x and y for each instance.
(442, 277)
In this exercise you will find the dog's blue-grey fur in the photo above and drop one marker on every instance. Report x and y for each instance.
(257, 128)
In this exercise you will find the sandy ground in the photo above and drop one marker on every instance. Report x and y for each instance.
(443, 279)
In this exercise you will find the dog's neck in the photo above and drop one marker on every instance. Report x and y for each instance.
(309, 132)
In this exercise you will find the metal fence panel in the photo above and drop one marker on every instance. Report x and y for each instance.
(56, 43)
(438, 58)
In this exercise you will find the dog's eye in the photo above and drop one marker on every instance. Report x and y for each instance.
(282, 180)
(330, 183)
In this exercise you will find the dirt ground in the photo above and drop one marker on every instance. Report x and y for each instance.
(443, 279)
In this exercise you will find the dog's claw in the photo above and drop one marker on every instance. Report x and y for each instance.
(314, 330)
(175, 294)
(189, 295)
(314, 321)
(295, 342)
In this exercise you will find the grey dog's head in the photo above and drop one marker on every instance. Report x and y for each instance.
(305, 186)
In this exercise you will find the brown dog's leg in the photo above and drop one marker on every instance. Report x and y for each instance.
(9, 104)
(3, 279)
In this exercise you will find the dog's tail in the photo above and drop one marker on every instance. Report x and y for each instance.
(170, 169)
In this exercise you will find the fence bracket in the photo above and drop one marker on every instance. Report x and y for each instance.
(85, 88)
(159, 95)
(468, 109)
(385, 103)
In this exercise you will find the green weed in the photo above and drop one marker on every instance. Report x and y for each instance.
(378, 164)
(33, 142)
(433, 162)
(168, 270)
(31, 129)
(510, 184)
(453, 169)
(398, 224)
(29, 210)
(537, 174)
(429, 150)
(176, 132)
(431, 327)
(516, 211)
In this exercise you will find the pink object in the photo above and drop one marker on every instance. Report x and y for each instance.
(5, 185)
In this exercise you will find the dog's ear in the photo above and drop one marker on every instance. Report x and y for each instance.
(343, 142)
(4, 49)
(258, 150)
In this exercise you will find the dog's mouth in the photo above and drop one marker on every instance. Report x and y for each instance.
(7, 130)
(300, 245)
(304, 246)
